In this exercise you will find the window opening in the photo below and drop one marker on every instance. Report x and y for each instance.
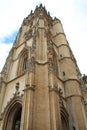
(25, 63)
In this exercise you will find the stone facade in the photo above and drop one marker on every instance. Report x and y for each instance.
(41, 87)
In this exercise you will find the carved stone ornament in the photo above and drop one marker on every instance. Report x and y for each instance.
(31, 87)
(17, 90)
(28, 35)
(56, 89)
(33, 45)
(53, 88)
(50, 65)
(50, 49)
(31, 12)
(84, 101)
(85, 78)
(25, 22)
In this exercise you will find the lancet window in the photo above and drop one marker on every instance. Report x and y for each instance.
(23, 63)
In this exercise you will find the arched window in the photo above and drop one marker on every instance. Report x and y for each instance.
(23, 62)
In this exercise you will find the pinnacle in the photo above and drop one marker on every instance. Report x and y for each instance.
(40, 6)
(39, 11)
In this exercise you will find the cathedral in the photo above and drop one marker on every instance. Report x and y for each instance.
(41, 87)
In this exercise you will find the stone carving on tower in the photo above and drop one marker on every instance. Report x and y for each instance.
(41, 87)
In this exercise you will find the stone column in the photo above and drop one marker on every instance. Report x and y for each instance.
(55, 109)
(27, 110)
(2, 93)
(75, 106)
(68, 74)
(28, 99)
(55, 116)
(41, 96)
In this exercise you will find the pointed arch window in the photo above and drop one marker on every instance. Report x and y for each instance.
(23, 63)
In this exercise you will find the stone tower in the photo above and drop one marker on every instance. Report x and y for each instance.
(41, 87)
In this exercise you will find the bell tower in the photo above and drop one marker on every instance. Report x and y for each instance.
(40, 79)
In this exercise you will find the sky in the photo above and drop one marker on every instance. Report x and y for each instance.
(72, 13)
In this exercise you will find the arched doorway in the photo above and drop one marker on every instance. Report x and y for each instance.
(64, 119)
(64, 124)
(12, 115)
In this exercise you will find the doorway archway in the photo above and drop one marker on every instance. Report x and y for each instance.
(12, 115)
(64, 119)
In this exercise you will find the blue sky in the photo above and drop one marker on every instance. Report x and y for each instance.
(72, 13)
(9, 38)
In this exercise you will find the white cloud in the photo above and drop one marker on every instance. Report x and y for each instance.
(4, 50)
(72, 13)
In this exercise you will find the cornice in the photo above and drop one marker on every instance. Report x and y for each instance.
(71, 79)
(40, 62)
(73, 95)
(57, 34)
(62, 45)
(66, 57)
(29, 87)
(16, 78)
